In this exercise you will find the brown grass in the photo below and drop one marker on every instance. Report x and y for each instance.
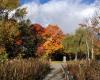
(23, 69)
(84, 71)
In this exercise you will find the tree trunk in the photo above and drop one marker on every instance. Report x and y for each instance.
(76, 57)
(92, 51)
(88, 54)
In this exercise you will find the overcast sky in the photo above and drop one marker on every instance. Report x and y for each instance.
(67, 14)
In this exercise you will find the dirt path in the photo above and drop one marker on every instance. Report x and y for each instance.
(56, 72)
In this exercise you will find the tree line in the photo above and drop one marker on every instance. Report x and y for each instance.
(20, 38)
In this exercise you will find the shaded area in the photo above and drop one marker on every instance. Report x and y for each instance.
(58, 56)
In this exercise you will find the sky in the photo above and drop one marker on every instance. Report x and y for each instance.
(67, 14)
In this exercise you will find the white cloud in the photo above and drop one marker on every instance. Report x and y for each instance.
(88, 12)
(65, 13)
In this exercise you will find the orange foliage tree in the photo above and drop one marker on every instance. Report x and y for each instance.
(53, 37)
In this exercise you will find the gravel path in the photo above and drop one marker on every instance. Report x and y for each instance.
(56, 72)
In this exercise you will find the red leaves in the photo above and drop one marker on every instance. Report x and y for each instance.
(37, 28)
(52, 38)
(52, 30)
(18, 42)
(40, 50)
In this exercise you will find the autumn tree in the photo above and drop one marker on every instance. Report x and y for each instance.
(14, 28)
(6, 6)
(53, 39)
(32, 39)
(8, 27)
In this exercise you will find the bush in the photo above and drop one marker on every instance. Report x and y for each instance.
(3, 54)
(23, 69)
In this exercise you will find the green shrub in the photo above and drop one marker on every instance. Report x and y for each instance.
(3, 55)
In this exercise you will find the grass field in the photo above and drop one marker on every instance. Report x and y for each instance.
(24, 69)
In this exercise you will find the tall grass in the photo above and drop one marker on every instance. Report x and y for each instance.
(24, 69)
(85, 70)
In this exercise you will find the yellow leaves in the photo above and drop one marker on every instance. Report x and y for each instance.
(2, 50)
(8, 30)
(51, 46)
(53, 36)
(18, 33)
(9, 4)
